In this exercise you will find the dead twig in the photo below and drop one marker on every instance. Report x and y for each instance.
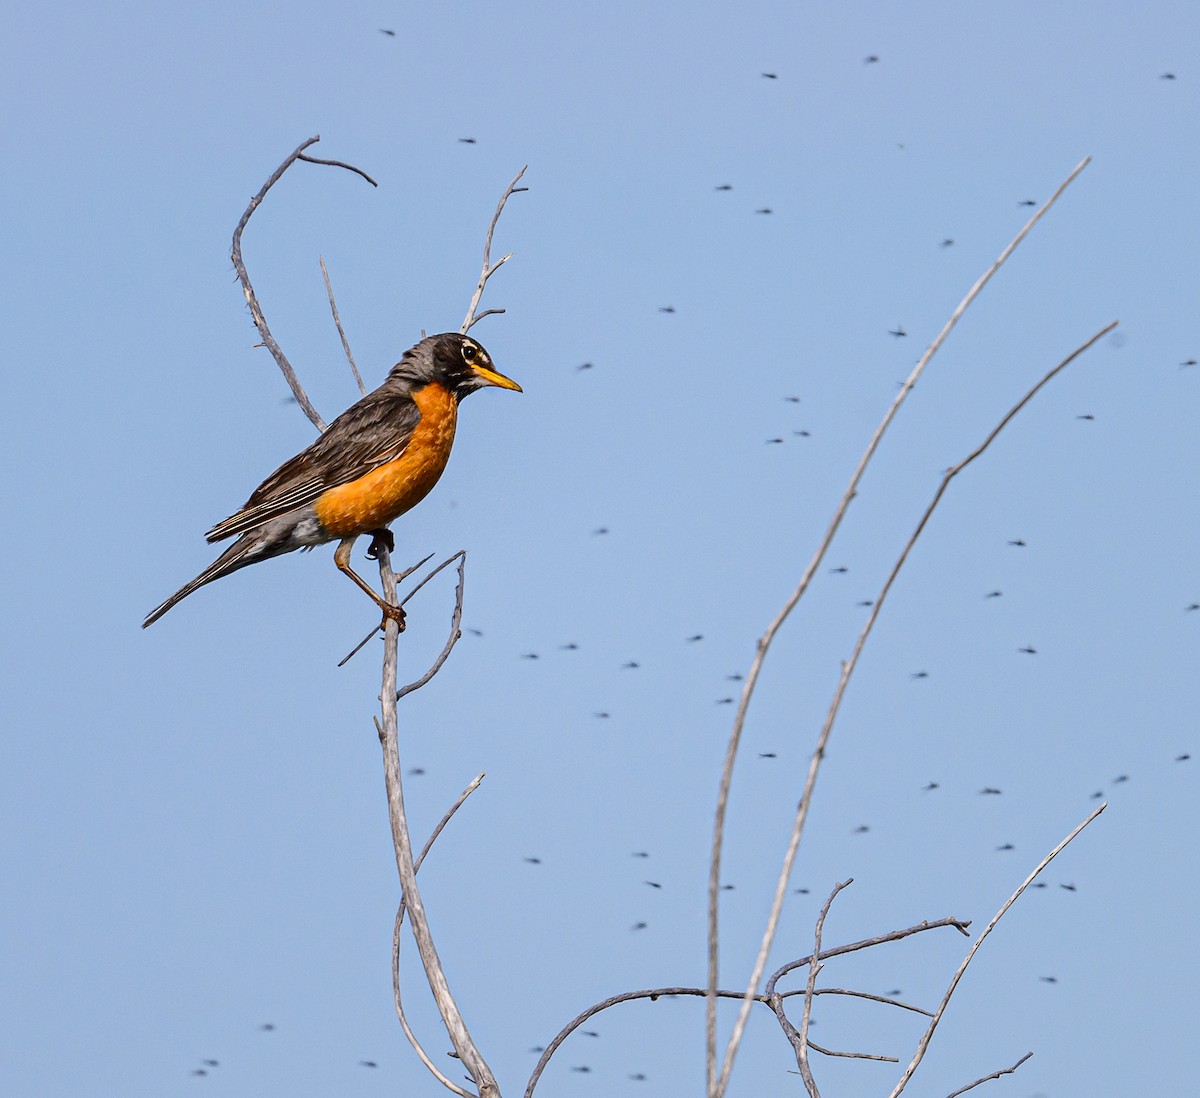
(849, 665)
(460, 1037)
(814, 966)
(717, 1084)
(927, 1036)
(455, 623)
(260, 321)
(866, 943)
(396, 996)
(653, 994)
(337, 320)
(852, 1055)
(989, 1078)
(489, 268)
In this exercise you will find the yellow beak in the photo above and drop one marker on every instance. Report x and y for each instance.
(494, 377)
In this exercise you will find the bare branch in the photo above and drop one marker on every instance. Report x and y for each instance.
(396, 996)
(866, 943)
(337, 320)
(460, 1037)
(656, 993)
(455, 623)
(989, 1078)
(260, 321)
(849, 665)
(886, 1000)
(927, 1036)
(852, 1055)
(716, 1085)
(338, 164)
(489, 268)
(814, 966)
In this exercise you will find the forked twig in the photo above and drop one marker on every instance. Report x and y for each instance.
(716, 1085)
(337, 320)
(455, 623)
(814, 967)
(489, 268)
(849, 665)
(653, 994)
(260, 321)
(927, 1036)
(989, 1078)
(460, 1037)
(396, 996)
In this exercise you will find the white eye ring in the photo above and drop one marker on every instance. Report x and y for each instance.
(470, 352)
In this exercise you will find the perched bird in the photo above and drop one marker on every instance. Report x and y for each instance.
(377, 460)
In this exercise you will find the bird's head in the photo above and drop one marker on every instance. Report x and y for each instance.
(456, 361)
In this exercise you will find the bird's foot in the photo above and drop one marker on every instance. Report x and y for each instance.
(392, 613)
(381, 539)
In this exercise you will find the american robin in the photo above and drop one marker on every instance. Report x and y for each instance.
(378, 459)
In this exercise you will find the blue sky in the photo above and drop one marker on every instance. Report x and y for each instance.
(196, 831)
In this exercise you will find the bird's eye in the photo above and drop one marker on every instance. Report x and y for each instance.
(469, 351)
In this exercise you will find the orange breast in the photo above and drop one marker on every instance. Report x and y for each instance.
(386, 493)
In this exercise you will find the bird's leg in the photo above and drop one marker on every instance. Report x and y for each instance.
(341, 558)
(381, 539)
